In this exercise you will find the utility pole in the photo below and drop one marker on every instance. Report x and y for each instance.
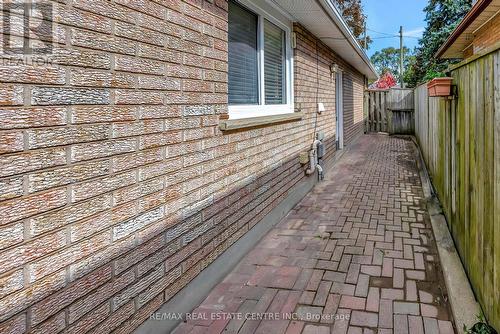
(366, 45)
(401, 55)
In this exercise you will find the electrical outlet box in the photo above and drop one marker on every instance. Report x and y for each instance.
(303, 158)
(321, 107)
(320, 135)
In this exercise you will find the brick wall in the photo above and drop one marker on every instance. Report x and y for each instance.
(487, 35)
(116, 186)
(353, 105)
(312, 60)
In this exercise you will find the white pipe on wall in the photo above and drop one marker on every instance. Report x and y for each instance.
(313, 159)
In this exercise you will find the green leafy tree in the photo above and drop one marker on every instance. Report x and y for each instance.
(442, 16)
(409, 73)
(387, 59)
(352, 12)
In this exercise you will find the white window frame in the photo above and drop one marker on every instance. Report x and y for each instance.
(257, 110)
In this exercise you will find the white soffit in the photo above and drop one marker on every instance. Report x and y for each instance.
(321, 19)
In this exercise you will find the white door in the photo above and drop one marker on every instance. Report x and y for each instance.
(339, 108)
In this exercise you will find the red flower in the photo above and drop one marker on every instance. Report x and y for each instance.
(386, 81)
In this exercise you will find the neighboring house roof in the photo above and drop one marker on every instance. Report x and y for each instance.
(461, 37)
(322, 18)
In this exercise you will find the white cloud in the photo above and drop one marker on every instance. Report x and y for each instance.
(415, 32)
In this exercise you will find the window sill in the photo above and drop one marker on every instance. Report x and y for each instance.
(242, 123)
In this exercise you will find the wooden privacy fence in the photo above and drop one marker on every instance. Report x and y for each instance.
(376, 111)
(460, 142)
(389, 111)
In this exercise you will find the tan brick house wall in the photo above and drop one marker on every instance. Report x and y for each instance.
(487, 35)
(116, 185)
(308, 63)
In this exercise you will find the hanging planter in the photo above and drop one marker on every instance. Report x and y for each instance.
(439, 86)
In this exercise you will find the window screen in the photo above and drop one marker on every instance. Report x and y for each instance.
(243, 65)
(274, 64)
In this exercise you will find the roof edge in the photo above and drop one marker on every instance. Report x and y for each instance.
(473, 13)
(333, 12)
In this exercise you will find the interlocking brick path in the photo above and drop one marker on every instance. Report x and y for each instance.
(358, 247)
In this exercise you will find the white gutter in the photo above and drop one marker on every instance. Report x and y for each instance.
(333, 12)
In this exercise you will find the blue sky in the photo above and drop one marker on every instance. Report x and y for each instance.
(385, 16)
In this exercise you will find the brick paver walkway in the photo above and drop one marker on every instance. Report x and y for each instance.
(356, 255)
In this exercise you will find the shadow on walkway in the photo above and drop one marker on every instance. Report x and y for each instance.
(356, 255)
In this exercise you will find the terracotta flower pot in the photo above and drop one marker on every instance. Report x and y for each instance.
(439, 86)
